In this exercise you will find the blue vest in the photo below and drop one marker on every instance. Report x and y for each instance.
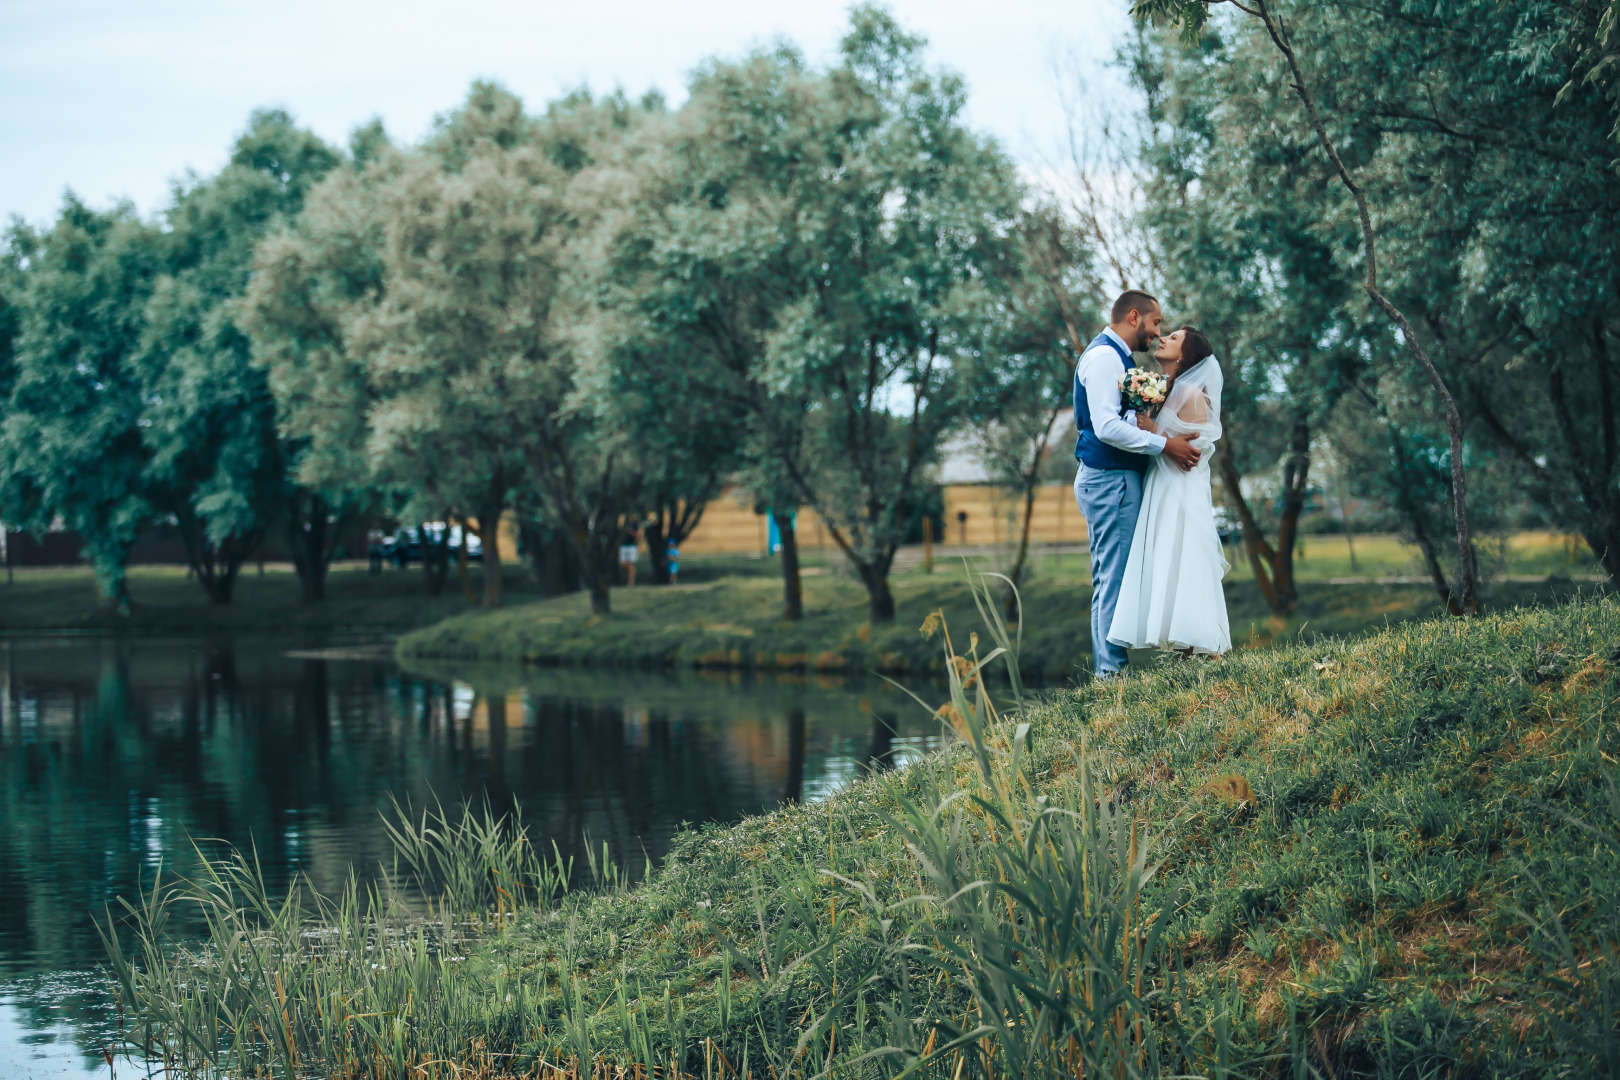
(1088, 448)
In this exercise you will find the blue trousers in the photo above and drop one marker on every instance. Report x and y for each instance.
(1110, 500)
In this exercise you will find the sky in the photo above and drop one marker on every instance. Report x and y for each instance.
(119, 98)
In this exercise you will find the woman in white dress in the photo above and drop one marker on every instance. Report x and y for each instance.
(1171, 596)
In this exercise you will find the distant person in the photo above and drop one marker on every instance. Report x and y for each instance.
(672, 559)
(627, 555)
(1114, 452)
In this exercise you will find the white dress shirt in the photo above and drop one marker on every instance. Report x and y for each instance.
(1099, 371)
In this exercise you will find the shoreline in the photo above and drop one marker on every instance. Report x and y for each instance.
(731, 625)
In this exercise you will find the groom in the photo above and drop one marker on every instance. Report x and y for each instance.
(1113, 454)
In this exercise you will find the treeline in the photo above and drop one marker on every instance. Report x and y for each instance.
(1399, 223)
(804, 279)
(1316, 176)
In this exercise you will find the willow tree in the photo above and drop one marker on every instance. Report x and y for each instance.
(909, 229)
(1457, 186)
(696, 267)
(1193, 14)
(1051, 310)
(218, 465)
(71, 428)
(414, 325)
(1234, 207)
(309, 277)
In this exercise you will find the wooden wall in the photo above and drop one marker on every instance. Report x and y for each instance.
(731, 527)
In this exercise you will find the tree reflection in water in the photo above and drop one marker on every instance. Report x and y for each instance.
(116, 752)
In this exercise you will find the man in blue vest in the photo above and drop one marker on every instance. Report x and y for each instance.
(1114, 454)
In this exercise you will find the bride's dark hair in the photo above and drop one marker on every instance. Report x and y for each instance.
(1194, 347)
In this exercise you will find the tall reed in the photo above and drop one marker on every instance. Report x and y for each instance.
(363, 984)
(1038, 900)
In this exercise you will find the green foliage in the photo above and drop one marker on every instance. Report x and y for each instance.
(1495, 226)
(217, 464)
(914, 240)
(72, 444)
(818, 256)
(131, 395)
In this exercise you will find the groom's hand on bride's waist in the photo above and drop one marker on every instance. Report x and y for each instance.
(1181, 452)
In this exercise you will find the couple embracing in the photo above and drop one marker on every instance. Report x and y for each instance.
(1143, 486)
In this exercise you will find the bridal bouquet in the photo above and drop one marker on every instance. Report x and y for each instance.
(1142, 390)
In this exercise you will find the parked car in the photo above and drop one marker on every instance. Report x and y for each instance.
(404, 546)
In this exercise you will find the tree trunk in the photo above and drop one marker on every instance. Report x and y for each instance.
(1467, 570)
(554, 572)
(461, 560)
(595, 552)
(1437, 573)
(308, 543)
(1010, 603)
(1605, 544)
(489, 531)
(1030, 484)
(874, 575)
(590, 521)
(876, 579)
(216, 565)
(1592, 471)
(601, 598)
(435, 557)
(313, 541)
(1273, 566)
(657, 557)
(115, 589)
(669, 522)
(792, 586)
(1414, 518)
(1296, 474)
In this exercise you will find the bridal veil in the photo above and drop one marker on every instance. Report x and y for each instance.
(1171, 595)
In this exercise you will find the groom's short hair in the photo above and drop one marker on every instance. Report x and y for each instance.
(1132, 300)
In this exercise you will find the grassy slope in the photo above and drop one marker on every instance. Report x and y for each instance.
(732, 620)
(1404, 784)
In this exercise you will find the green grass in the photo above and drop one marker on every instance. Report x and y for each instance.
(1393, 856)
(1528, 554)
(732, 620)
(1355, 833)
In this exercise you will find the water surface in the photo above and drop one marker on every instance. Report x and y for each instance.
(116, 753)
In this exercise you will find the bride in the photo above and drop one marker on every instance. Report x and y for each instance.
(1171, 597)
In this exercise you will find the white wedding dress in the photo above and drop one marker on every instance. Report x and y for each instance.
(1171, 597)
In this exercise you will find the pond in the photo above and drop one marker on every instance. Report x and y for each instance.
(116, 753)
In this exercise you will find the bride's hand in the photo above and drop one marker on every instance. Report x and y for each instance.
(1145, 422)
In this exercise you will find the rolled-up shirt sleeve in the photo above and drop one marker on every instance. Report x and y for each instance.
(1099, 374)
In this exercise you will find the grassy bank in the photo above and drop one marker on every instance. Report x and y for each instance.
(1388, 857)
(164, 600)
(733, 621)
